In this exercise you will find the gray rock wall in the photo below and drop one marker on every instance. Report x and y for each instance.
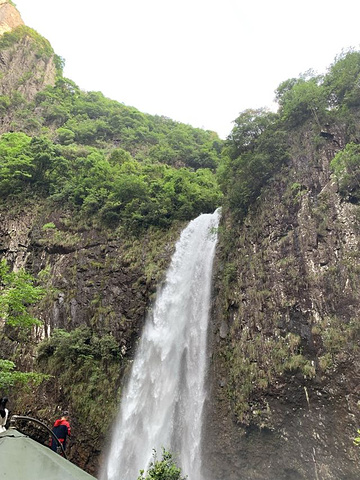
(291, 298)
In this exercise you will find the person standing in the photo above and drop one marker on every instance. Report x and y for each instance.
(4, 412)
(62, 430)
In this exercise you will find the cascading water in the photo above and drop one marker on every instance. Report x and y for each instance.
(163, 402)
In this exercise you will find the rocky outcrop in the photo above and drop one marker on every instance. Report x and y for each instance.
(284, 374)
(27, 64)
(24, 70)
(10, 18)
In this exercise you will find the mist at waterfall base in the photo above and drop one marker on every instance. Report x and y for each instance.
(163, 401)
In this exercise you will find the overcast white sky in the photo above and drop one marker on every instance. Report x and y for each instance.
(200, 62)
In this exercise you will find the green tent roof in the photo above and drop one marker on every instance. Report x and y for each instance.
(24, 458)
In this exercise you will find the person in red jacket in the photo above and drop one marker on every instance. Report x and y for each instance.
(62, 430)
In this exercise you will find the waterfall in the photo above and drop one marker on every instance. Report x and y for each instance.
(163, 401)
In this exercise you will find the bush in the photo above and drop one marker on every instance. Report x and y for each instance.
(88, 367)
(17, 293)
(164, 469)
(346, 168)
(10, 377)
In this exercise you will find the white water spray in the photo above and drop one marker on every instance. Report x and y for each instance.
(163, 402)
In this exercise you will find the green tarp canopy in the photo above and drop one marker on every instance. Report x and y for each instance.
(22, 458)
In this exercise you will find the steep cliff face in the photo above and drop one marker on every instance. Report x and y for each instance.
(25, 69)
(27, 63)
(10, 18)
(284, 374)
(97, 278)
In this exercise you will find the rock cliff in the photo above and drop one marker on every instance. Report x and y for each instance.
(286, 291)
(24, 69)
(10, 18)
(27, 63)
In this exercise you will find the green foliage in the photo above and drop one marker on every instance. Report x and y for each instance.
(357, 439)
(255, 150)
(342, 82)
(10, 377)
(87, 367)
(249, 126)
(109, 163)
(26, 162)
(322, 99)
(346, 168)
(14, 162)
(119, 156)
(42, 46)
(98, 142)
(164, 469)
(158, 195)
(301, 100)
(258, 145)
(96, 120)
(115, 189)
(17, 293)
(65, 136)
(186, 146)
(48, 226)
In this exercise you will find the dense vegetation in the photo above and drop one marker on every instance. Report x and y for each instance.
(346, 167)
(110, 189)
(118, 165)
(88, 367)
(259, 144)
(108, 162)
(254, 152)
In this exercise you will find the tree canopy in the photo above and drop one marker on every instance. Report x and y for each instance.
(259, 144)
